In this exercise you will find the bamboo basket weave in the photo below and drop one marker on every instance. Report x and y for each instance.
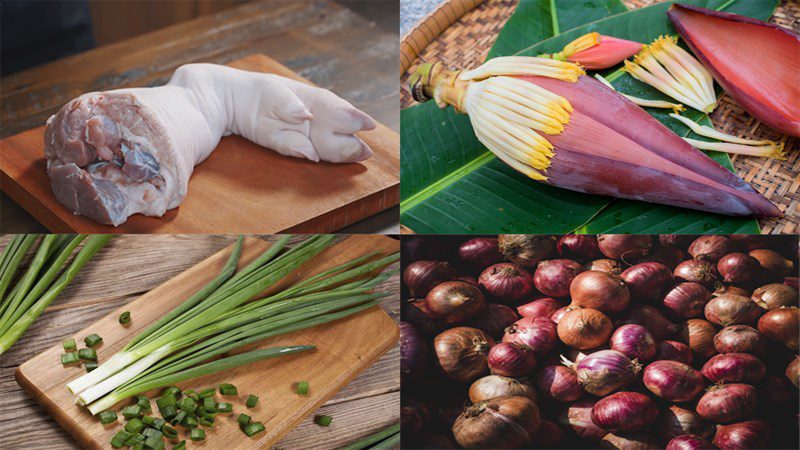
(461, 32)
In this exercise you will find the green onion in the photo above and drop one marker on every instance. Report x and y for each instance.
(178, 417)
(302, 387)
(69, 345)
(191, 393)
(228, 314)
(152, 432)
(252, 400)
(92, 340)
(224, 407)
(118, 441)
(154, 443)
(391, 442)
(138, 446)
(125, 318)
(144, 403)
(323, 421)
(372, 439)
(243, 419)
(69, 358)
(129, 412)
(228, 389)
(179, 446)
(90, 366)
(189, 422)
(30, 299)
(135, 438)
(253, 428)
(207, 421)
(169, 412)
(107, 417)
(169, 432)
(187, 404)
(87, 354)
(197, 434)
(158, 424)
(209, 405)
(134, 425)
(210, 392)
(172, 390)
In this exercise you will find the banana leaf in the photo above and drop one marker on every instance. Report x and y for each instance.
(451, 184)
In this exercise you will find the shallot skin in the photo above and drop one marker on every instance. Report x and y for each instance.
(673, 351)
(507, 282)
(673, 381)
(599, 290)
(688, 442)
(774, 296)
(677, 421)
(578, 417)
(559, 383)
(738, 268)
(462, 353)
(729, 309)
(605, 371)
(624, 411)
(740, 339)
(579, 247)
(647, 281)
(734, 368)
(511, 360)
(727, 402)
(711, 247)
(494, 386)
(751, 434)
(635, 342)
(686, 300)
(553, 277)
(782, 325)
(624, 246)
(422, 276)
(503, 422)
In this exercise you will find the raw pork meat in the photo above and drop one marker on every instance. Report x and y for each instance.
(117, 153)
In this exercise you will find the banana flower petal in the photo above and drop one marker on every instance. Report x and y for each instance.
(757, 63)
(594, 51)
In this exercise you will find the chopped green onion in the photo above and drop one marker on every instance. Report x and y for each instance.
(92, 340)
(149, 421)
(87, 354)
(129, 412)
(302, 387)
(187, 404)
(179, 446)
(374, 438)
(135, 438)
(69, 358)
(107, 417)
(118, 441)
(207, 422)
(135, 425)
(189, 422)
(228, 389)
(90, 366)
(158, 424)
(172, 390)
(191, 393)
(252, 400)
(210, 392)
(138, 446)
(243, 419)
(253, 428)
(152, 432)
(69, 345)
(125, 318)
(209, 405)
(224, 407)
(323, 420)
(169, 432)
(154, 443)
(168, 412)
(197, 434)
(178, 417)
(144, 403)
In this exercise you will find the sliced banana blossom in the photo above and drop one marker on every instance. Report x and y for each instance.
(675, 107)
(676, 73)
(594, 51)
(757, 63)
(582, 136)
(731, 144)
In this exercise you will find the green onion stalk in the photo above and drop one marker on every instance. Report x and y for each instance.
(38, 286)
(228, 313)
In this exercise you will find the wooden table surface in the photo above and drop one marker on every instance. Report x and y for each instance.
(319, 39)
(130, 266)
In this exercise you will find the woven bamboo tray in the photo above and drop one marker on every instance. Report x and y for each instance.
(461, 32)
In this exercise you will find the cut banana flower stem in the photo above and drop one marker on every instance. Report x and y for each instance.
(594, 51)
(675, 107)
(731, 144)
(675, 72)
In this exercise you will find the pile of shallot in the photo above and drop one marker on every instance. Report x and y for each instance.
(614, 341)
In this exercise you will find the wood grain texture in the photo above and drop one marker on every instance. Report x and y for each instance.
(120, 273)
(241, 187)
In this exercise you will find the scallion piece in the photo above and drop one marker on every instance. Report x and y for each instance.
(253, 428)
(210, 392)
(118, 441)
(172, 390)
(87, 354)
(154, 443)
(125, 318)
(302, 387)
(209, 405)
(189, 422)
(323, 420)
(178, 417)
(90, 366)
(144, 403)
(169, 412)
(132, 411)
(187, 404)
(134, 425)
(169, 432)
(69, 358)
(224, 407)
(179, 446)
(69, 345)
(243, 419)
(107, 417)
(149, 421)
(228, 389)
(152, 432)
(158, 424)
(252, 401)
(138, 446)
(207, 422)
(135, 438)
(191, 393)
(164, 402)
(92, 340)
(197, 434)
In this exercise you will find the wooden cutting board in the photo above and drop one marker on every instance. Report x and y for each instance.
(240, 188)
(344, 349)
